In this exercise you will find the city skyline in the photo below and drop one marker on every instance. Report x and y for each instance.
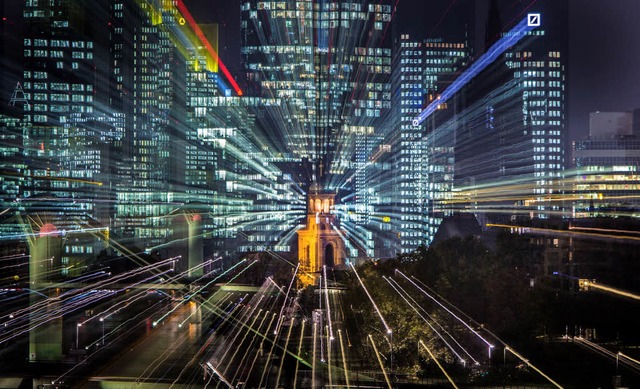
(304, 192)
(320, 104)
(609, 27)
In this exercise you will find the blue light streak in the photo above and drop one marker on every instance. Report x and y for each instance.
(224, 88)
(504, 43)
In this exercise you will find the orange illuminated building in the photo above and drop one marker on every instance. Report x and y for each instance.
(320, 243)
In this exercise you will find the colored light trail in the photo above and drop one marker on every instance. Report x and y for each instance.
(526, 361)
(187, 15)
(384, 371)
(439, 365)
(508, 40)
(417, 309)
(588, 284)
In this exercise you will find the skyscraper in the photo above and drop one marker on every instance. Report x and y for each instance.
(147, 88)
(330, 62)
(420, 170)
(606, 178)
(509, 142)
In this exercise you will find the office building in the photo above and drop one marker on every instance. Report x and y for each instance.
(606, 181)
(329, 61)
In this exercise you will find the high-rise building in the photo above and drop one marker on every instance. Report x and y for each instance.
(147, 87)
(59, 81)
(511, 130)
(606, 181)
(409, 206)
(330, 62)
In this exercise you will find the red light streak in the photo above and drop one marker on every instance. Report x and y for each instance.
(187, 15)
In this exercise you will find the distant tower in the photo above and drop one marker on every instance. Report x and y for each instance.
(18, 96)
(320, 243)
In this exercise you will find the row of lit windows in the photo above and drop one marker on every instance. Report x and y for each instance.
(407, 69)
(56, 54)
(78, 250)
(544, 149)
(281, 49)
(370, 60)
(549, 140)
(411, 94)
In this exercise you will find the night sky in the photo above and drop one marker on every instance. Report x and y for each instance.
(603, 42)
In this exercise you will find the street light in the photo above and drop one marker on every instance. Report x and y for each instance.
(78, 334)
(102, 321)
(390, 333)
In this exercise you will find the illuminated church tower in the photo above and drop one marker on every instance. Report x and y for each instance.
(320, 243)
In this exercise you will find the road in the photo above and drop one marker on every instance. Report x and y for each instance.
(163, 355)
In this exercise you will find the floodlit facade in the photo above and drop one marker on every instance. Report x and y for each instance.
(606, 181)
(320, 242)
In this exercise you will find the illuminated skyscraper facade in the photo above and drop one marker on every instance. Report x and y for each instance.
(330, 62)
(423, 168)
(149, 73)
(59, 81)
(512, 129)
(64, 138)
(607, 180)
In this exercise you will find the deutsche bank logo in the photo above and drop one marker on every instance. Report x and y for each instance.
(533, 20)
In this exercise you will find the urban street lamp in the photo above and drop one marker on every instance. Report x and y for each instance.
(78, 334)
(102, 321)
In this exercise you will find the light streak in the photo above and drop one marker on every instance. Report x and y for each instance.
(523, 359)
(397, 288)
(223, 348)
(125, 325)
(387, 328)
(295, 375)
(159, 320)
(55, 233)
(286, 345)
(635, 361)
(384, 372)
(187, 15)
(263, 336)
(255, 318)
(77, 294)
(329, 374)
(286, 296)
(592, 284)
(439, 365)
(344, 359)
(509, 39)
(447, 309)
(313, 360)
(222, 378)
(563, 233)
(255, 335)
(603, 230)
(326, 294)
